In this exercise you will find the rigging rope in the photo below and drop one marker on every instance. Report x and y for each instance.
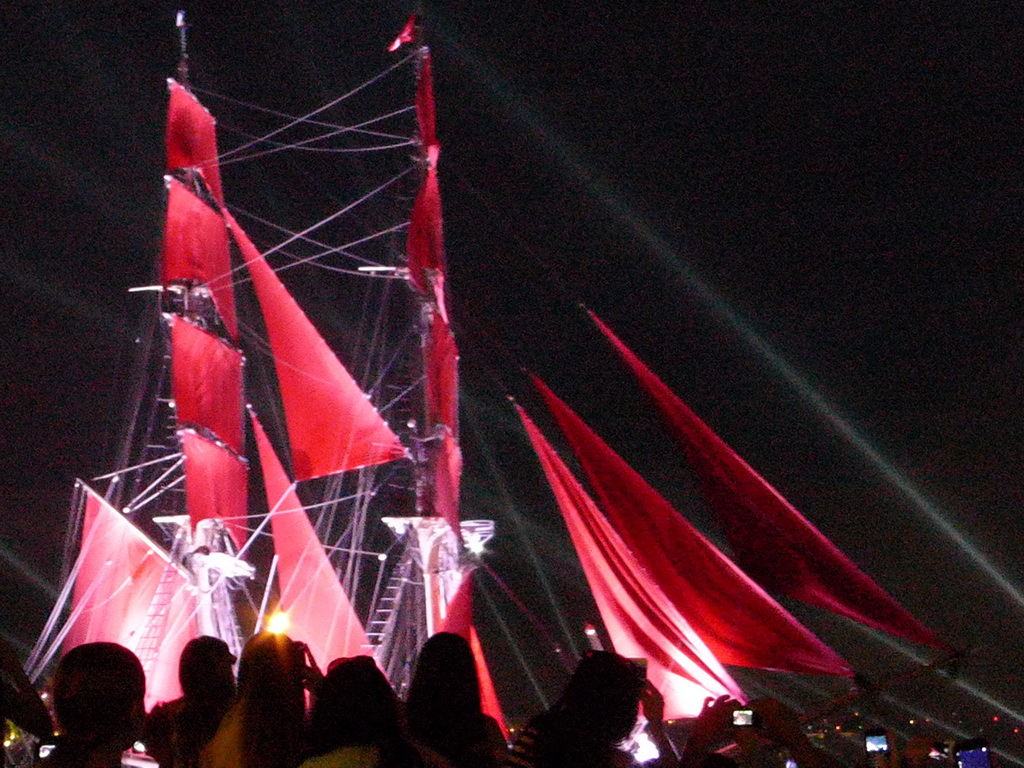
(315, 226)
(279, 146)
(320, 109)
(340, 249)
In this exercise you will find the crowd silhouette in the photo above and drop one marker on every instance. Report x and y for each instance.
(284, 713)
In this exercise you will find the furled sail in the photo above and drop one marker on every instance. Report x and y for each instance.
(128, 591)
(739, 621)
(319, 612)
(332, 426)
(773, 543)
(442, 358)
(642, 620)
(425, 242)
(425, 259)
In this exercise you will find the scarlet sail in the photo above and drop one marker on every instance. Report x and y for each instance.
(426, 242)
(640, 617)
(216, 484)
(195, 250)
(445, 471)
(441, 358)
(206, 382)
(128, 591)
(737, 619)
(459, 620)
(192, 138)
(332, 426)
(773, 543)
(319, 612)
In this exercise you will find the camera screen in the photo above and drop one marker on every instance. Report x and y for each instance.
(875, 743)
(973, 758)
(743, 717)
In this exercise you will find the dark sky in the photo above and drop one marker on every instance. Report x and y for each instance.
(806, 221)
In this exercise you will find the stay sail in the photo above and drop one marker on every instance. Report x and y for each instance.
(772, 542)
(633, 545)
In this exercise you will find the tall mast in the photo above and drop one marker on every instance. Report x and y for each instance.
(182, 48)
(433, 538)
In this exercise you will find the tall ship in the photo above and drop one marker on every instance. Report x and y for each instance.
(273, 479)
(262, 485)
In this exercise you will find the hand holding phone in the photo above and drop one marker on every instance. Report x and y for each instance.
(745, 718)
(876, 741)
(972, 753)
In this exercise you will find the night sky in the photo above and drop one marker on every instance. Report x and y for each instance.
(807, 222)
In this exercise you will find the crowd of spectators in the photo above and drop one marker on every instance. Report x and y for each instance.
(283, 713)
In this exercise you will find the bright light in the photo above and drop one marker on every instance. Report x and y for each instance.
(645, 749)
(475, 545)
(278, 623)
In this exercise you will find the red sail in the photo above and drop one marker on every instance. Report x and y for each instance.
(332, 426)
(442, 370)
(445, 472)
(127, 591)
(192, 138)
(488, 695)
(319, 611)
(425, 246)
(739, 621)
(206, 382)
(772, 541)
(640, 617)
(459, 620)
(195, 249)
(216, 484)
(425, 103)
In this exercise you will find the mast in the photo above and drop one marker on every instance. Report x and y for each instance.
(207, 367)
(433, 536)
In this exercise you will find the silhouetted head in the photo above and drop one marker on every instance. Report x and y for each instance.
(446, 675)
(604, 694)
(270, 662)
(443, 705)
(272, 701)
(205, 669)
(355, 705)
(98, 694)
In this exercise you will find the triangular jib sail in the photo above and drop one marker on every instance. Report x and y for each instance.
(641, 619)
(773, 543)
(127, 590)
(737, 619)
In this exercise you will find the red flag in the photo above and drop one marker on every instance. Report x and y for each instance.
(407, 35)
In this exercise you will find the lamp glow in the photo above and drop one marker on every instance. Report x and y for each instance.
(278, 623)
